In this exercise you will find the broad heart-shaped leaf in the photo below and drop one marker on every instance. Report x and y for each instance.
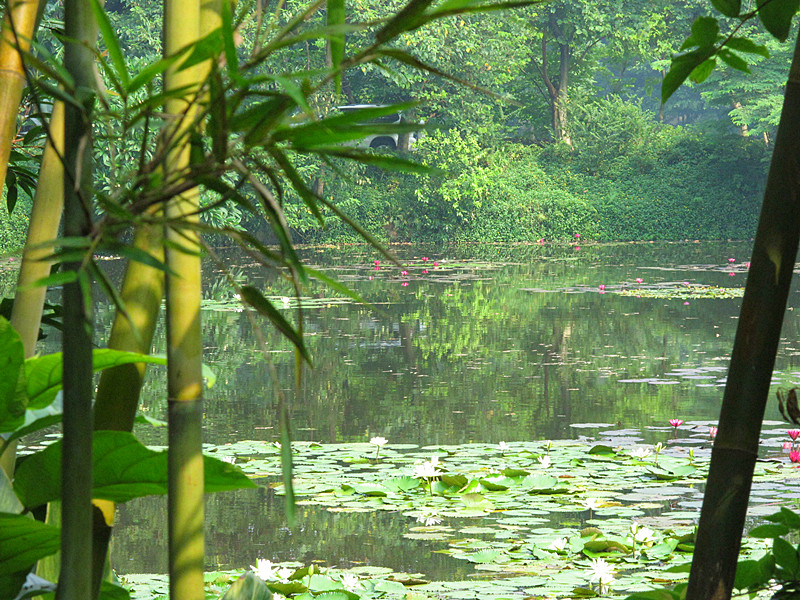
(769, 530)
(785, 516)
(12, 357)
(248, 587)
(23, 541)
(35, 420)
(123, 469)
(43, 373)
(729, 8)
(110, 591)
(776, 15)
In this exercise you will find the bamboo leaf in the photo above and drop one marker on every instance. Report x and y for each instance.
(123, 469)
(254, 298)
(776, 15)
(231, 59)
(54, 280)
(112, 42)
(23, 541)
(406, 20)
(150, 72)
(336, 16)
(11, 190)
(335, 285)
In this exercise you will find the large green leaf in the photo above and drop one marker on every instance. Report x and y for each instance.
(23, 541)
(776, 15)
(43, 373)
(123, 469)
(9, 503)
(12, 354)
(679, 70)
(729, 8)
(248, 587)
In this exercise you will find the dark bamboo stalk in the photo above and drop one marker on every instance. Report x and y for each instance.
(752, 360)
(76, 513)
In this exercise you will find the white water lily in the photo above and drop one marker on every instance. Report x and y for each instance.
(379, 441)
(602, 571)
(558, 544)
(284, 573)
(640, 452)
(544, 461)
(265, 569)
(429, 469)
(643, 535)
(429, 519)
(591, 503)
(503, 447)
(351, 582)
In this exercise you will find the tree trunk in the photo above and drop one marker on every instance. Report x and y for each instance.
(76, 513)
(752, 360)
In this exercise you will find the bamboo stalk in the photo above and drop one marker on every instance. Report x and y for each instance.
(20, 18)
(184, 338)
(45, 218)
(76, 514)
(752, 361)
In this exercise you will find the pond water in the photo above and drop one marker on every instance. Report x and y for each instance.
(493, 343)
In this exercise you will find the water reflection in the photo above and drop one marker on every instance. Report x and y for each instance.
(476, 350)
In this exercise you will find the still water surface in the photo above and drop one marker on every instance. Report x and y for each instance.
(495, 343)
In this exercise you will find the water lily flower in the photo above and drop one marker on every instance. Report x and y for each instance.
(377, 268)
(639, 280)
(731, 260)
(377, 262)
(540, 241)
(435, 264)
(429, 519)
(425, 259)
(265, 569)
(424, 271)
(793, 433)
(712, 431)
(371, 277)
(602, 571)
(403, 273)
(591, 503)
(731, 274)
(577, 248)
(676, 422)
(577, 236)
(379, 442)
(787, 445)
(747, 265)
(428, 469)
(686, 303)
(558, 544)
(404, 284)
(503, 447)
(284, 573)
(351, 582)
(642, 534)
(602, 286)
(640, 452)
(794, 456)
(544, 461)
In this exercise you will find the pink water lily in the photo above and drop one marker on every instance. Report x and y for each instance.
(424, 271)
(403, 273)
(602, 286)
(577, 236)
(639, 280)
(787, 445)
(377, 262)
(435, 264)
(731, 260)
(794, 455)
(577, 248)
(731, 274)
(425, 259)
(371, 277)
(686, 303)
(676, 422)
(712, 432)
(794, 434)
(404, 284)
(540, 241)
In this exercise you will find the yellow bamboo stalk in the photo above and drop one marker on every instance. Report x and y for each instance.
(48, 203)
(184, 337)
(20, 17)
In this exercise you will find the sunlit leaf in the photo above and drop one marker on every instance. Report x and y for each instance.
(776, 15)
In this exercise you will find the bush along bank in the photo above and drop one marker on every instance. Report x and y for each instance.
(667, 183)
